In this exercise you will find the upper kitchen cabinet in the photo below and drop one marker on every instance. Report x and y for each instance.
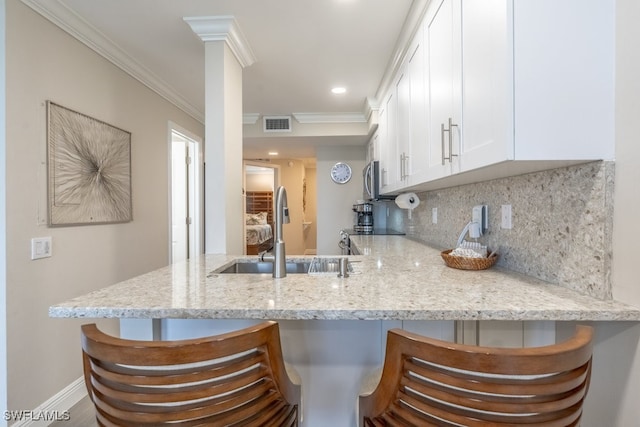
(537, 81)
(388, 121)
(509, 87)
(441, 32)
(406, 121)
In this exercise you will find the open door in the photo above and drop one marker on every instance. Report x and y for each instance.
(186, 196)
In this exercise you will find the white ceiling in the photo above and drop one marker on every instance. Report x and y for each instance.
(303, 48)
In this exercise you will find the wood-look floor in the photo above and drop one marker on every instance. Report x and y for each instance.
(82, 414)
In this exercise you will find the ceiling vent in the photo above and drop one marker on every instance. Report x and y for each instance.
(277, 124)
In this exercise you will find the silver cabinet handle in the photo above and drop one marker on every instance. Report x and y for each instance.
(406, 166)
(404, 170)
(442, 131)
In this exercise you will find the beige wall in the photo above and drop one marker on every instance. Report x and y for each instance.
(44, 63)
(311, 211)
(291, 177)
(336, 201)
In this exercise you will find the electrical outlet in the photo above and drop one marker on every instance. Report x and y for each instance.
(40, 247)
(506, 217)
(434, 215)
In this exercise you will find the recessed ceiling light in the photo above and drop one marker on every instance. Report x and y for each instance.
(273, 153)
(338, 90)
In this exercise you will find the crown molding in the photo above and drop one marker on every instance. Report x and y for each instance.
(370, 106)
(409, 29)
(330, 117)
(223, 28)
(65, 18)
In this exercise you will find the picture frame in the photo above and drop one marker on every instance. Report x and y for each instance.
(88, 168)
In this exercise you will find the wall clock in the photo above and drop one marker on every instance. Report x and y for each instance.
(341, 173)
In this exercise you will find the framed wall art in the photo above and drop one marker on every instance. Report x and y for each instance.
(89, 169)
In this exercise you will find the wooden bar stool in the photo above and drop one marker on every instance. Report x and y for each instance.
(237, 378)
(430, 382)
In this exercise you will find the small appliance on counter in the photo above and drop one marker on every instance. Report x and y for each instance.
(363, 218)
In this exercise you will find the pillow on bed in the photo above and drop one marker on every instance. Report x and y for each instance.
(256, 219)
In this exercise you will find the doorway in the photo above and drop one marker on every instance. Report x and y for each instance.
(259, 179)
(186, 195)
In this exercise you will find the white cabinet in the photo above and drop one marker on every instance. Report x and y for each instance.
(394, 167)
(496, 88)
(403, 143)
(388, 149)
(416, 159)
(537, 81)
(441, 34)
(487, 83)
(506, 333)
(406, 121)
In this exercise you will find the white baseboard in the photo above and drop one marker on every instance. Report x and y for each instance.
(58, 405)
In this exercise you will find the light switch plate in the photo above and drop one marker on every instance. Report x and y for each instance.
(506, 217)
(41, 247)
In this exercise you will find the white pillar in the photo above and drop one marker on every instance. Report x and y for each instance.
(226, 54)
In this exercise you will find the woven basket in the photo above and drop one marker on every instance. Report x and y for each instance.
(464, 263)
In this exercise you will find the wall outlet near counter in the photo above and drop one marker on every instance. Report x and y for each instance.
(434, 215)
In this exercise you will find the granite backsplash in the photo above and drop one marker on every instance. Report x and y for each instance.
(562, 223)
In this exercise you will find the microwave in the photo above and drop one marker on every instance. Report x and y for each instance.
(372, 180)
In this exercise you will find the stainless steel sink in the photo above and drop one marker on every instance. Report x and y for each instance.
(263, 267)
(317, 265)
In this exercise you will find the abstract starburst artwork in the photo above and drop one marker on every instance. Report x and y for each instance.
(89, 168)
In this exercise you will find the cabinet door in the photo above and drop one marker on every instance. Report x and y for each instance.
(554, 99)
(442, 38)
(373, 148)
(418, 151)
(487, 83)
(564, 73)
(404, 127)
(388, 158)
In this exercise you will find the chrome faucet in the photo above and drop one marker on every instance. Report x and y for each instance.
(278, 257)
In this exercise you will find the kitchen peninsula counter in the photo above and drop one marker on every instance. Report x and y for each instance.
(396, 279)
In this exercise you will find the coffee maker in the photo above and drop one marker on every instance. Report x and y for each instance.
(363, 220)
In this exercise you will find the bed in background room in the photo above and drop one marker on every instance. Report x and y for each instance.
(259, 221)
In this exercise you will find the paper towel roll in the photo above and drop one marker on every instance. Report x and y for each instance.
(407, 201)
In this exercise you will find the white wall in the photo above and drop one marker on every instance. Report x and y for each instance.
(44, 63)
(626, 225)
(223, 151)
(336, 200)
(259, 181)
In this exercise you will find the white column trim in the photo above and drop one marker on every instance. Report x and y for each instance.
(223, 28)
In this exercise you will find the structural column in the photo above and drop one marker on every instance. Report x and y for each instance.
(226, 54)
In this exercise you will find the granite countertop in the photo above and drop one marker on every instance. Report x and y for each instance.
(395, 278)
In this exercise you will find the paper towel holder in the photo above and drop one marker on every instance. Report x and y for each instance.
(408, 201)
